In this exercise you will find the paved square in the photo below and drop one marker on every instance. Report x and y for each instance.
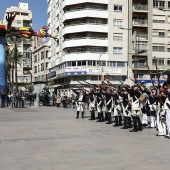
(50, 138)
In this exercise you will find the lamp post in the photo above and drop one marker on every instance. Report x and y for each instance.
(136, 48)
(98, 68)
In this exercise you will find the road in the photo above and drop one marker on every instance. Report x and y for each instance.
(50, 138)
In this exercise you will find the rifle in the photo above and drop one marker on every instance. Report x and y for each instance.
(151, 76)
(91, 85)
(116, 79)
(158, 75)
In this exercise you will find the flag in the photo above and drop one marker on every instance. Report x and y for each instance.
(102, 75)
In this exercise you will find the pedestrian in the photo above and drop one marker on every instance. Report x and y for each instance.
(58, 100)
(3, 96)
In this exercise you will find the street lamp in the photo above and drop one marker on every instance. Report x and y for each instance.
(98, 68)
(136, 48)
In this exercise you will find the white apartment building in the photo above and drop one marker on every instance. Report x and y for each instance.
(90, 38)
(22, 19)
(40, 59)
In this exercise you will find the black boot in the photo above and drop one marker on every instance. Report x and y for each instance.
(120, 121)
(116, 121)
(129, 122)
(109, 118)
(91, 115)
(106, 116)
(125, 123)
(135, 129)
(102, 117)
(98, 116)
(77, 115)
(82, 115)
(139, 124)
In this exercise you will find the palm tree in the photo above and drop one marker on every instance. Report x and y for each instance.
(15, 56)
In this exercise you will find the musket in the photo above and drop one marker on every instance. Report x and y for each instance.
(91, 85)
(151, 76)
(158, 75)
(115, 78)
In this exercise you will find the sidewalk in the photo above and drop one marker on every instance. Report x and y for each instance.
(50, 138)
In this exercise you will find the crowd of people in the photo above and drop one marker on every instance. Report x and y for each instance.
(15, 99)
(131, 108)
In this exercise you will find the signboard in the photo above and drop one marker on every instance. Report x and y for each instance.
(149, 81)
(96, 70)
(77, 73)
(51, 75)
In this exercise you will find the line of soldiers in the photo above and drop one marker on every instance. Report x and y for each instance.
(133, 104)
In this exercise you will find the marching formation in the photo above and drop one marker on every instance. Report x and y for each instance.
(130, 107)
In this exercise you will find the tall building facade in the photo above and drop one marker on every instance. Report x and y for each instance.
(40, 59)
(121, 38)
(22, 19)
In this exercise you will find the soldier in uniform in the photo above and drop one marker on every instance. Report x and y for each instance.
(81, 100)
(152, 104)
(126, 108)
(136, 110)
(167, 109)
(92, 104)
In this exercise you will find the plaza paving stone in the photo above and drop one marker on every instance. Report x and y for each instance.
(50, 138)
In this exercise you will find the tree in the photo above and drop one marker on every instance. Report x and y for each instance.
(15, 57)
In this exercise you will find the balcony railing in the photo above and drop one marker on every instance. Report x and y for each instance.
(140, 22)
(140, 65)
(90, 23)
(140, 7)
(85, 8)
(87, 51)
(79, 38)
(142, 36)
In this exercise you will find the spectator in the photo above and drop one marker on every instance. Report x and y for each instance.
(3, 96)
(58, 100)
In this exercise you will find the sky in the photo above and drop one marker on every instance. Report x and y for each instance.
(38, 8)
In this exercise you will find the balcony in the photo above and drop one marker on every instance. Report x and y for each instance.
(72, 2)
(85, 13)
(140, 22)
(141, 66)
(139, 7)
(85, 42)
(142, 36)
(85, 27)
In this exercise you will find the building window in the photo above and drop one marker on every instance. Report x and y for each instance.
(161, 34)
(117, 37)
(111, 63)
(140, 76)
(159, 48)
(117, 8)
(121, 64)
(117, 50)
(118, 22)
(18, 21)
(168, 62)
(159, 61)
(158, 4)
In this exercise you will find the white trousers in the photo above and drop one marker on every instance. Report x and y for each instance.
(160, 124)
(144, 118)
(153, 121)
(168, 121)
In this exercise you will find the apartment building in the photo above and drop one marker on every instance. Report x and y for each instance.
(22, 19)
(121, 38)
(89, 41)
(149, 38)
(40, 59)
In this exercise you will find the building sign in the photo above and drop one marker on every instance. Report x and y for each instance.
(51, 75)
(70, 69)
(76, 73)
(96, 70)
(149, 81)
